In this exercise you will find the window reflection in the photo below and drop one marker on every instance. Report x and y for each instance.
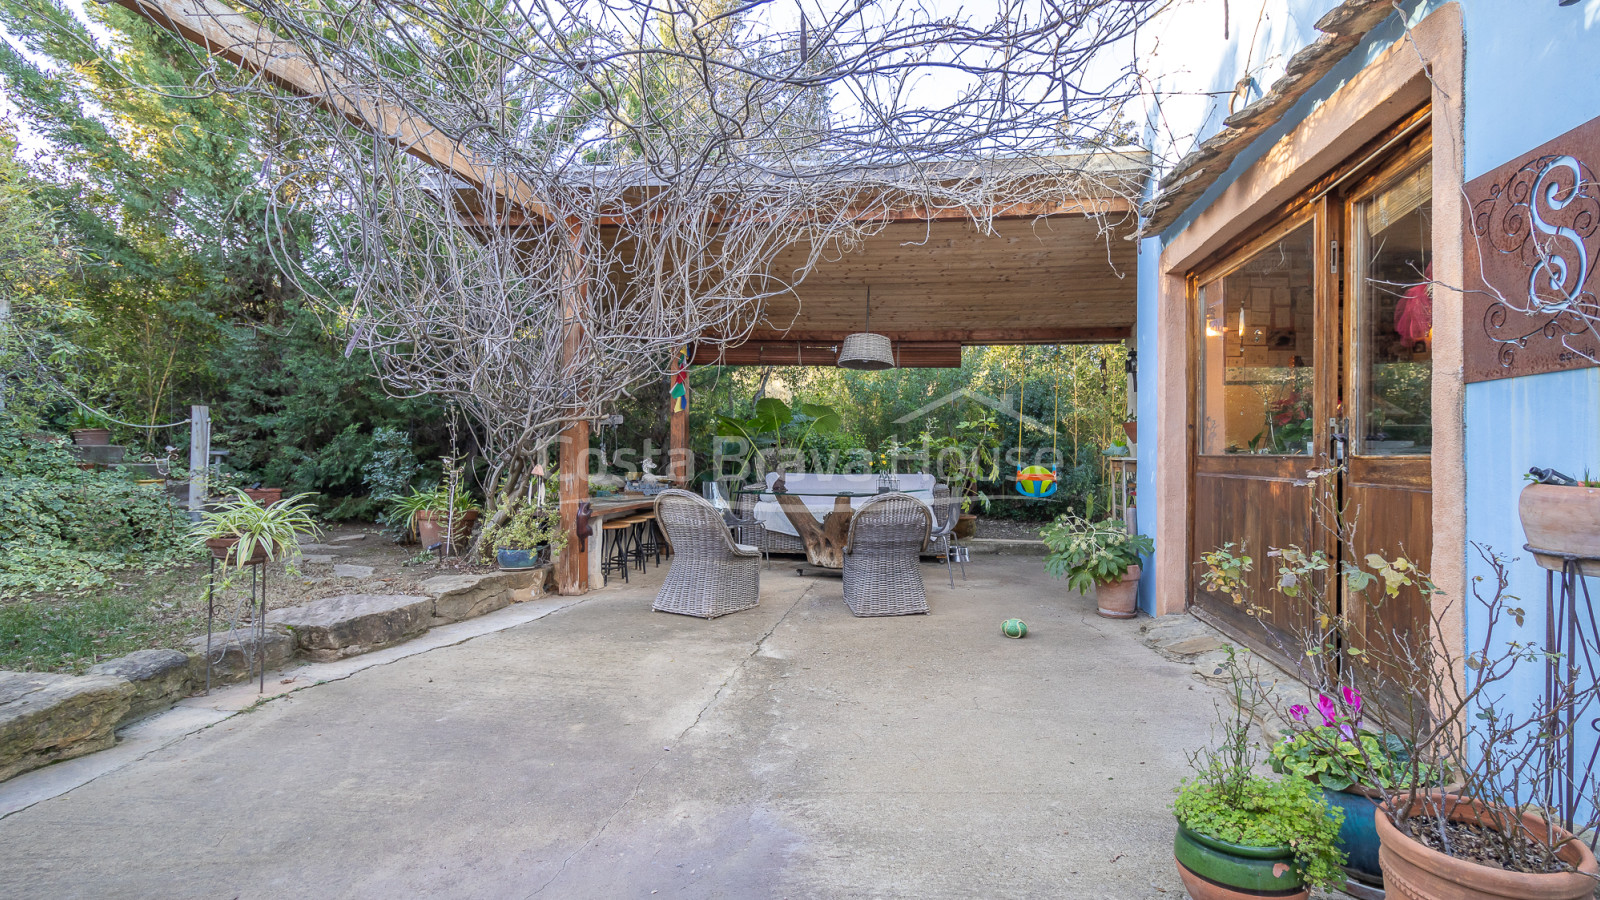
(1257, 350)
(1394, 318)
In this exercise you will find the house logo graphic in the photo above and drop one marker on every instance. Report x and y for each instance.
(1002, 405)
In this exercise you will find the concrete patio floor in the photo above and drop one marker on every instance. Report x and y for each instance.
(608, 751)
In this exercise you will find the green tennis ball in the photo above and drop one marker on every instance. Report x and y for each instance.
(1014, 628)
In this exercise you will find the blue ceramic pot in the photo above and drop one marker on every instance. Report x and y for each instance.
(523, 559)
(1358, 836)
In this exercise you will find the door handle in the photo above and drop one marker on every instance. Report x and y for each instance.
(1338, 439)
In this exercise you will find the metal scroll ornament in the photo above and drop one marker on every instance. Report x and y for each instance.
(1537, 248)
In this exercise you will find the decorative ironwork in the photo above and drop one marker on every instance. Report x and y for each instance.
(1532, 256)
(1572, 648)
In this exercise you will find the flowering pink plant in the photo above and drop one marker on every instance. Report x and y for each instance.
(1338, 752)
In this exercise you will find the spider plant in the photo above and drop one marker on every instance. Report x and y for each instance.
(273, 530)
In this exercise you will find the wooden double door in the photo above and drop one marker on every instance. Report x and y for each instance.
(1312, 369)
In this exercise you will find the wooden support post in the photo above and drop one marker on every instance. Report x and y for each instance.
(572, 567)
(680, 461)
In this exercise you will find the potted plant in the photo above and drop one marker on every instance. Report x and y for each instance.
(89, 429)
(241, 531)
(1505, 827)
(1242, 834)
(962, 462)
(530, 537)
(1561, 515)
(761, 436)
(264, 495)
(1100, 556)
(426, 514)
(1508, 827)
(1352, 766)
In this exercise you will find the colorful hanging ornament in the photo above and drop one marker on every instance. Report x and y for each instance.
(1035, 482)
(680, 379)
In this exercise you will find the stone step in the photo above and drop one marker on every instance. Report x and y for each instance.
(1006, 546)
(354, 623)
(46, 717)
(160, 678)
(233, 654)
(459, 597)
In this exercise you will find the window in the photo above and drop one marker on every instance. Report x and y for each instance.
(1392, 316)
(1256, 357)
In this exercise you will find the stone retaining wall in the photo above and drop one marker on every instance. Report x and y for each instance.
(46, 717)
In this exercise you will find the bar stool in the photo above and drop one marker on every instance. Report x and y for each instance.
(614, 540)
(636, 553)
(649, 538)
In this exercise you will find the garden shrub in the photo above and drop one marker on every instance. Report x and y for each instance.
(64, 529)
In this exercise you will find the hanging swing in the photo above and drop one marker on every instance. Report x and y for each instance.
(1035, 482)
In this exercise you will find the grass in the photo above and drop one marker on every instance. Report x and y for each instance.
(70, 634)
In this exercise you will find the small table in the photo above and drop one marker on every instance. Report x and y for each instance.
(824, 540)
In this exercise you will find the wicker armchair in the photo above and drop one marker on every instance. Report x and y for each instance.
(882, 565)
(747, 529)
(771, 541)
(946, 509)
(710, 575)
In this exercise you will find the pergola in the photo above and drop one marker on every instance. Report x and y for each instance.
(939, 279)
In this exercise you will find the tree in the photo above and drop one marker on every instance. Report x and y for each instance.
(33, 263)
(169, 291)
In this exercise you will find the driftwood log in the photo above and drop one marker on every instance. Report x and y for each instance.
(824, 540)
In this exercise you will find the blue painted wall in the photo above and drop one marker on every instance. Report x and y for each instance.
(1145, 409)
(1530, 77)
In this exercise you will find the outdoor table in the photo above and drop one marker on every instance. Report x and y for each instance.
(825, 539)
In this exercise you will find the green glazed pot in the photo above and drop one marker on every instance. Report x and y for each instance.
(1253, 871)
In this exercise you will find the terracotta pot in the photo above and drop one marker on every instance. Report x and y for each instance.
(1132, 430)
(1563, 519)
(1213, 869)
(430, 528)
(966, 526)
(221, 547)
(264, 496)
(1119, 599)
(1414, 871)
(91, 437)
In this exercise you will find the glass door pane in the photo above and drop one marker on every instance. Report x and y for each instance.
(1256, 351)
(1391, 378)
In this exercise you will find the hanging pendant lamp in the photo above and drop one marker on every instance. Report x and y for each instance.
(865, 350)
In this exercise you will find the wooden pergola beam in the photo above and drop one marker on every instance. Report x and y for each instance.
(959, 336)
(1083, 206)
(230, 34)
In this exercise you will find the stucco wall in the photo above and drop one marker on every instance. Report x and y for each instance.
(1530, 78)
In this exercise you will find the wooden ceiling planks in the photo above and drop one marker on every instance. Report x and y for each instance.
(1055, 276)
